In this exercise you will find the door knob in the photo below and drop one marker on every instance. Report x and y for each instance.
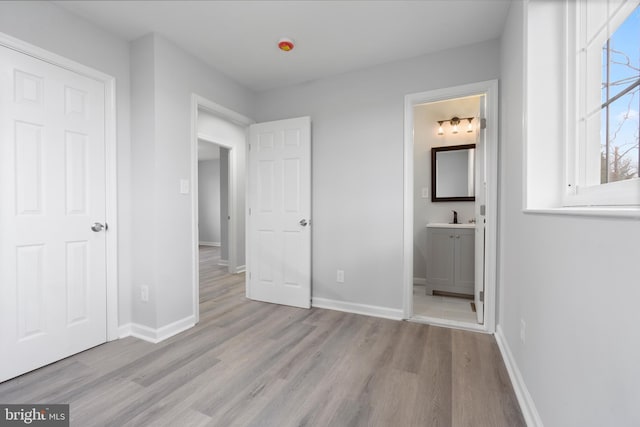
(97, 227)
(303, 222)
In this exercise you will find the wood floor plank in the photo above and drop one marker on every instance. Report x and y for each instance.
(395, 394)
(434, 390)
(478, 372)
(187, 417)
(249, 363)
(42, 382)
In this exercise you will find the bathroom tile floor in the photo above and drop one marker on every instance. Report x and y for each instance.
(449, 308)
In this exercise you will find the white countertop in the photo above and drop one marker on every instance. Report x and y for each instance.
(445, 225)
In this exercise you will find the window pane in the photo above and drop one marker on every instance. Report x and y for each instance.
(621, 102)
(623, 57)
(622, 142)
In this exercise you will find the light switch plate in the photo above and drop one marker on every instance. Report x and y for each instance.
(184, 186)
(425, 192)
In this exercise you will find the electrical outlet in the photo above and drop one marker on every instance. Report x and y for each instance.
(425, 192)
(340, 276)
(144, 293)
(523, 330)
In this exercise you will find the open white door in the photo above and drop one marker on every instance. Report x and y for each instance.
(480, 212)
(279, 234)
(52, 213)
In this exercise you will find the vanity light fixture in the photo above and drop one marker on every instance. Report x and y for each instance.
(455, 122)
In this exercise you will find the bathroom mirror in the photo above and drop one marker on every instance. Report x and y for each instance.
(453, 173)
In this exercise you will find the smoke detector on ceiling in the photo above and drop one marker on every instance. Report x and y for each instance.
(285, 44)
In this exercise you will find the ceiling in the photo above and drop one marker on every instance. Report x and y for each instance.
(239, 38)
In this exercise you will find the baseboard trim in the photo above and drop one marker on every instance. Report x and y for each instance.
(350, 307)
(527, 406)
(124, 330)
(241, 269)
(156, 335)
(419, 281)
(218, 244)
(223, 262)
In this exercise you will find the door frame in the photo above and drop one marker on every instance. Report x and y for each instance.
(111, 166)
(200, 103)
(488, 88)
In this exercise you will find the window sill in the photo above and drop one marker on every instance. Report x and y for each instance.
(601, 212)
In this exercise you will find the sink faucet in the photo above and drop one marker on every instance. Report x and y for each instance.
(455, 217)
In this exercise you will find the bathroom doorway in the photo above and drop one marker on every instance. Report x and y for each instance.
(450, 206)
(444, 248)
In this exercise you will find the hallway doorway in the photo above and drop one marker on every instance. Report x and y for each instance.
(213, 198)
(214, 124)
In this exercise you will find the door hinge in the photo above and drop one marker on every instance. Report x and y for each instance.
(249, 147)
(483, 123)
(481, 297)
(249, 211)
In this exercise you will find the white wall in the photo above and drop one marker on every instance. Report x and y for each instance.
(357, 160)
(164, 259)
(50, 27)
(209, 201)
(426, 137)
(573, 280)
(143, 131)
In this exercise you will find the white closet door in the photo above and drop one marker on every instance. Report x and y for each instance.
(52, 190)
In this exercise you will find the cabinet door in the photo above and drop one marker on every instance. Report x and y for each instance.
(464, 271)
(440, 253)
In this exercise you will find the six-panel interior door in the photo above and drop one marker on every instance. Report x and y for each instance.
(52, 190)
(279, 269)
(480, 214)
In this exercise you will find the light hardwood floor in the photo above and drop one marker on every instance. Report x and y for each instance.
(255, 364)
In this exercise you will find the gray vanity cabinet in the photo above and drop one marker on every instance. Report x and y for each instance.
(450, 258)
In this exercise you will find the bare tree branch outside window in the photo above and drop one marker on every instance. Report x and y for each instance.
(620, 134)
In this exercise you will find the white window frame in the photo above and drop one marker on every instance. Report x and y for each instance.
(580, 93)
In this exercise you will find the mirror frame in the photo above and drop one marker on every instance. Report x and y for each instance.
(434, 151)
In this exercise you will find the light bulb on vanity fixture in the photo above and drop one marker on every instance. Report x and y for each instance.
(455, 123)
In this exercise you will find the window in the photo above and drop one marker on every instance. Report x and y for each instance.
(603, 165)
(620, 125)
